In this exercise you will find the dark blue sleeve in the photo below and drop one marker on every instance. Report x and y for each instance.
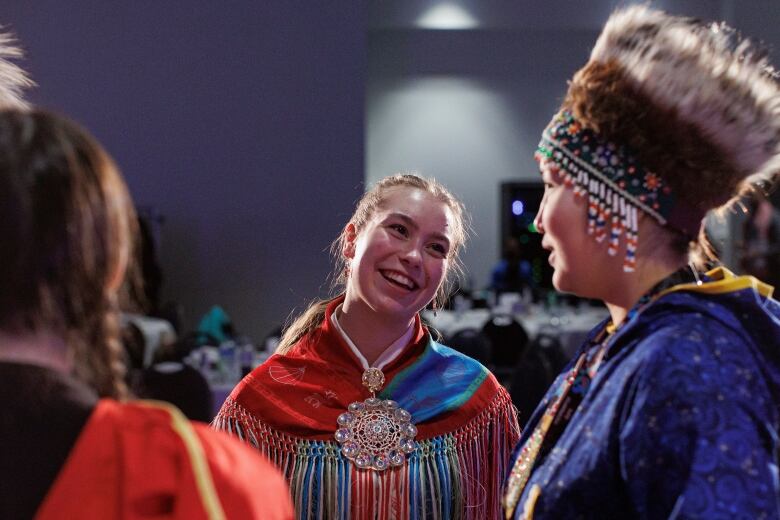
(696, 437)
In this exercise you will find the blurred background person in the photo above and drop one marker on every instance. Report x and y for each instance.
(512, 273)
(760, 247)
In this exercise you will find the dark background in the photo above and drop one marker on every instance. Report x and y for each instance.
(240, 122)
(243, 123)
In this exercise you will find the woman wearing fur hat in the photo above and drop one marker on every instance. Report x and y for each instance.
(672, 406)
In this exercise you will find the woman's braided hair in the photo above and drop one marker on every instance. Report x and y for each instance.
(67, 227)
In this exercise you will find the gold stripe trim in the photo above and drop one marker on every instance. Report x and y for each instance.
(200, 468)
(725, 282)
(530, 502)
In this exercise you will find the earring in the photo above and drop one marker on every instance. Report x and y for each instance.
(435, 308)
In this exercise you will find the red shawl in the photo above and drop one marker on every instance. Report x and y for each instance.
(287, 407)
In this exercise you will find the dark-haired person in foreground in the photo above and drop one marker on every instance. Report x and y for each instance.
(71, 443)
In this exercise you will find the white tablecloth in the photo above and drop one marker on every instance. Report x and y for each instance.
(569, 324)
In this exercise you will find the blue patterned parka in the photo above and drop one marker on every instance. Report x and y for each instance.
(681, 418)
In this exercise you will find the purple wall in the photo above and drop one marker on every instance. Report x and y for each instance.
(242, 122)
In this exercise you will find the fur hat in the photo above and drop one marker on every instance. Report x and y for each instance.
(668, 117)
(13, 79)
(698, 105)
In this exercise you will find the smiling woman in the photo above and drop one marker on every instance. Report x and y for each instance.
(381, 421)
(397, 265)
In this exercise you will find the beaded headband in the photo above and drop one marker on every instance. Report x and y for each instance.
(616, 184)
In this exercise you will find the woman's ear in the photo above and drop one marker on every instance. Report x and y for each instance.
(350, 236)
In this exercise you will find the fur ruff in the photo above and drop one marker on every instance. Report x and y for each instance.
(704, 75)
(13, 79)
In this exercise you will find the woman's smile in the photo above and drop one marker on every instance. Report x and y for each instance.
(398, 279)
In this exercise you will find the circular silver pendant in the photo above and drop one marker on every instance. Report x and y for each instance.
(376, 434)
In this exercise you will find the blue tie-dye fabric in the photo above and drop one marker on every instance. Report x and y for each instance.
(450, 380)
(680, 421)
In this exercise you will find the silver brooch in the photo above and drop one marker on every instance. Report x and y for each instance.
(376, 433)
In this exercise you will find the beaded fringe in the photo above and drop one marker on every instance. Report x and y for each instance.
(458, 475)
(606, 205)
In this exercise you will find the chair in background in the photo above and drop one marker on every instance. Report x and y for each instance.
(541, 362)
(508, 339)
(179, 384)
(472, 343)
(160, 373)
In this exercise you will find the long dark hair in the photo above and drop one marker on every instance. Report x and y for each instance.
(67, 227)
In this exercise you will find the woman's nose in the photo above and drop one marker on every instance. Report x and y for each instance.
(538, 219)
(411, 254)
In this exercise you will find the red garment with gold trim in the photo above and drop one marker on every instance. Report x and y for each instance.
(140, 461)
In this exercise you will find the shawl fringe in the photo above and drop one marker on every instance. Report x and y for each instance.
(456, 475)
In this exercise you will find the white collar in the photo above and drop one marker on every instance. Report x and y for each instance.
(389, 354)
